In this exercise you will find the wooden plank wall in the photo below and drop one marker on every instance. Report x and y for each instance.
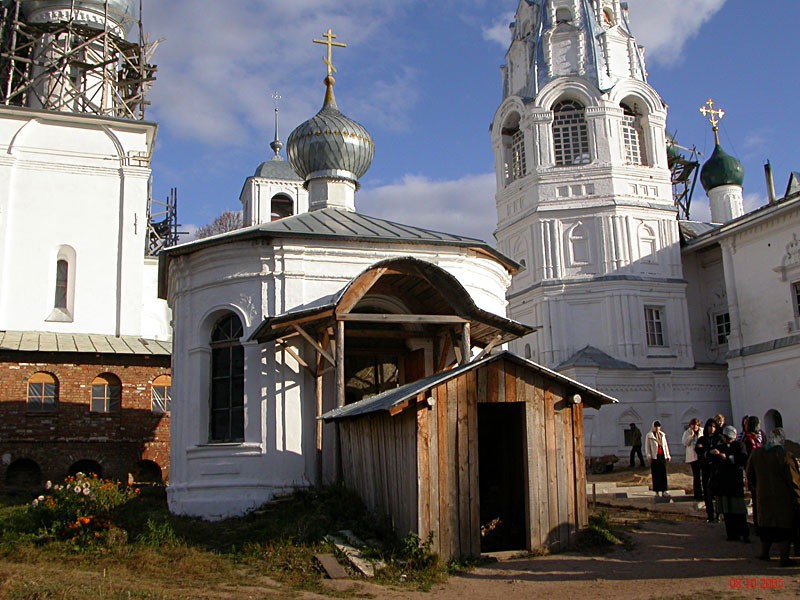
(448, 457)
(379, 463)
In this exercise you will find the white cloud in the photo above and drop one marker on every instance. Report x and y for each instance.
(498, 30)
(463, 206)
(664, 27)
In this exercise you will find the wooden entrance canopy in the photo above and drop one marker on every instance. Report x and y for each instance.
(435, 306)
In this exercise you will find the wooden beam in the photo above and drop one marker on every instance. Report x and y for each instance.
(314, 343)
(402, 318)
(339, 362)
(489, 347)
(466, 343)
(391, 335)
(286, 337)
(442, 362)
(290, 351)
(456, 347)
(358, 290)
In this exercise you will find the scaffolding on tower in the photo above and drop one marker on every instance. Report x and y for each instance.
(162, 223)
(70, 63)
(684, 171)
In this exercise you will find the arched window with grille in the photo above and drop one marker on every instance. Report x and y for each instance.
(281, 206)
(227, 381)
(106, 394)
(161, 395)
(42, 392)
(570, 134)
(632, 136)
(515, 162)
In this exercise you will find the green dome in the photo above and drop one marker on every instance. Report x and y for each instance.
(721, 169)
(673, 152)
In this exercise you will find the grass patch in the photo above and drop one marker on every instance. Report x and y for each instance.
(144, 552)
(600, 536)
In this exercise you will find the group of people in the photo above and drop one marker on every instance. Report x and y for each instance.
(724, 463)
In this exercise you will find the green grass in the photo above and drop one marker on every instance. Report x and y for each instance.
(150, 554)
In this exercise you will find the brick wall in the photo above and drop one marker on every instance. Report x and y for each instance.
(57, 440)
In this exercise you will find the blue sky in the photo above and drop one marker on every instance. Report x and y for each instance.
(424, 78)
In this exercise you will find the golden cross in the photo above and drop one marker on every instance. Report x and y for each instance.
(716, 116)
(328, 41)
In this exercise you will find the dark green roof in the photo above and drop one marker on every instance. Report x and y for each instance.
(721, 169)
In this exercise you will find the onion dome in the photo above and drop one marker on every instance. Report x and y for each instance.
(121, 12)
(329, 145)
(721, 169)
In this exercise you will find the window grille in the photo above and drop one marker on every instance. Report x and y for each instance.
(519, 167)
(106, 394)
(161, 395)
(722, 328)
(633, 146)
(227, 381)
(654, 326)
(570, 134)
(42, 393)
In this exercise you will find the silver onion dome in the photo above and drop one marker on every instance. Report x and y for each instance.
(121, 12)
(329, 145)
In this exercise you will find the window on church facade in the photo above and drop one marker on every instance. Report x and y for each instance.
(515, 162)
(647, 244)
(369, 375)
(281, 207)
(579, 245)
(42, 393)
(632, 136)
(721, 328)
(161, 395)
(796, 294)
(570, 134)
(62, 279)
(563, 15)
(227, 381)
(106, 394)
(654, 326)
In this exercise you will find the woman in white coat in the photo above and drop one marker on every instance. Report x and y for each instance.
(657, 453)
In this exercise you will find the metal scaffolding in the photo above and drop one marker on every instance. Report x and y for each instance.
(684, 177)
(162, 223)
(71, 65)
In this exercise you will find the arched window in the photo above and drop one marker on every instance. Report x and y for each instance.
(563, 15)
(227, 381)
(42, 392)
(62, 280)
(106, 394)
(647, 244)
(87, 467)
(24, 473)
(570, 134)
(161, 395)
(608, 17)
(579, 245)
(281, 207)
(632, 136)
(528, 351)
(514, 159)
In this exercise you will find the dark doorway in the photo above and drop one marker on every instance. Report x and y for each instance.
(501, 452)
(87, 467)
(24, 473)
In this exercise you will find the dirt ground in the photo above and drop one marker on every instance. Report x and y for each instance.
(672, 553)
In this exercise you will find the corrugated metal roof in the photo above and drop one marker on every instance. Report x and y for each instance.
(593, 357)
(693, 229)
(40, 341)
(388, 400)
(277, 169)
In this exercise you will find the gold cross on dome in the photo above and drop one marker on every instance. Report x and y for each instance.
(328, 41)
(716, 115)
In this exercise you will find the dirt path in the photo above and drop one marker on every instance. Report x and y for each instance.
(686, 559)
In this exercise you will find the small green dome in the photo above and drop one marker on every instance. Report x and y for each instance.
(721, 169)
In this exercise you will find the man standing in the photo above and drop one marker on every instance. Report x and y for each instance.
(636, 446)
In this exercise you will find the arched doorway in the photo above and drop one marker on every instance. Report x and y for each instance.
(23, 473)
(147, 471)
(87, 467)
(772, 419)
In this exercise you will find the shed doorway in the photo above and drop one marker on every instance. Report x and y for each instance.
(501, 464)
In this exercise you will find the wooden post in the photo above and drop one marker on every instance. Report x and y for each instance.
(340, 392)
(466, 343)
(318, 396)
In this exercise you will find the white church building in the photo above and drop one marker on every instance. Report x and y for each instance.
(675, 319)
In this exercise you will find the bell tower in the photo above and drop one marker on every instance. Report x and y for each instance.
(584, 198)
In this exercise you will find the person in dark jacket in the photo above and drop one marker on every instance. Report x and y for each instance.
(702, 448)
(773, 474)
(636, 446)
(728, 460)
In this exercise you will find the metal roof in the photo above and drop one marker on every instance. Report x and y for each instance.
(277, 169)
(394, 399)
(345, 225)
(38, 341)
(593, 357)
(693, 229)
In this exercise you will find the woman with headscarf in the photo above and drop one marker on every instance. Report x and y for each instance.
(657, 453)
(773, 473)
(728, 460)
(704, 445)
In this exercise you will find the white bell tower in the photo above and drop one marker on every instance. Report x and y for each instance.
(584, 197)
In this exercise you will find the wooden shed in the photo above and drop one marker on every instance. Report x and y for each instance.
(487, 456)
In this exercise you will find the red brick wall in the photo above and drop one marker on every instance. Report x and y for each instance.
(57, 440)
